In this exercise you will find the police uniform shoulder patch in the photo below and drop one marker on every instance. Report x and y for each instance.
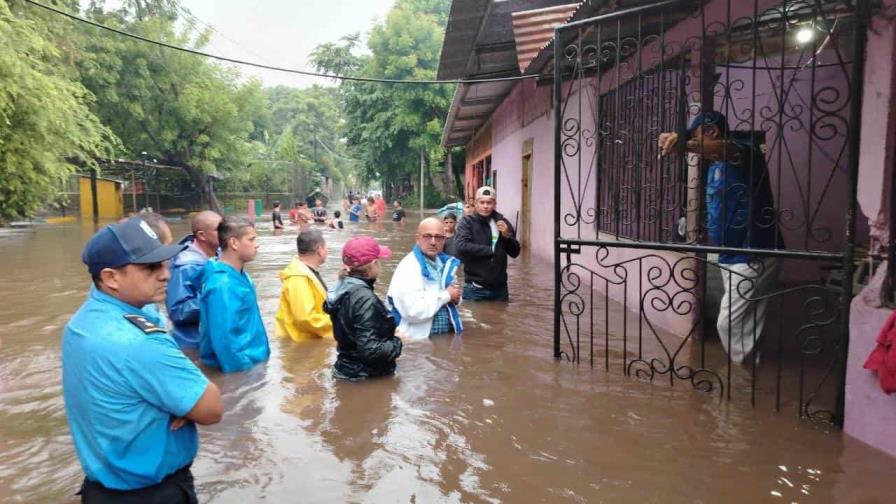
(144, 325)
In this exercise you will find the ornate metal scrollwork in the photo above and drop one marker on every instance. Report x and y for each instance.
(787, 104)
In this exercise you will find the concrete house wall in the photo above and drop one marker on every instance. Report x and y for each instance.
(526, 118)
(870, 413)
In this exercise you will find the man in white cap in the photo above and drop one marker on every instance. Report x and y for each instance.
(484, 239)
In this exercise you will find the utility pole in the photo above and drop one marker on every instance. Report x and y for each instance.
(158, 189)
(422, 165)
(314, 133)
(143, 156)
(133, 190)
(314, 145)
(94, 201)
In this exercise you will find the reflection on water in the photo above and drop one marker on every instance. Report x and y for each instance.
(486, 417)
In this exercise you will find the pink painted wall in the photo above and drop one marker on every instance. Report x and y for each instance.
(527, 114)
(870, 413)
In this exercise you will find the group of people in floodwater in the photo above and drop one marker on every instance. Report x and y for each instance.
(133, 394)
(373, 211)
(132, 388)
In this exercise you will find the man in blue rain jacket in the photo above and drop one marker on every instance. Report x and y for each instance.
(186, 278)
(232, 337)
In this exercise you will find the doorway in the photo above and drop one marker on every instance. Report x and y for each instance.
(525, 227)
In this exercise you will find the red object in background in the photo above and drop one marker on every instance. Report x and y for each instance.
(883, 358)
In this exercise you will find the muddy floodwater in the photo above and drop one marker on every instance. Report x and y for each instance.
(486, 417)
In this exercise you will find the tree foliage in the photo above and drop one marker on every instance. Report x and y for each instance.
(46, 125)
(389, 125)
(71, 93)
(179, 108)
(302, 144)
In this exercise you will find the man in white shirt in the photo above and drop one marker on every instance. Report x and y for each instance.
(423, 293)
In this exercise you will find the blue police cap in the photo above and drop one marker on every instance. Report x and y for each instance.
(128, 242)
(710, 119)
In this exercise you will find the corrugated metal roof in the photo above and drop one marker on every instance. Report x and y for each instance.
(532, 29)
(480, 43)
(590, 8)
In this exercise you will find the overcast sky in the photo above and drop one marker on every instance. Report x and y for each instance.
(282, 32)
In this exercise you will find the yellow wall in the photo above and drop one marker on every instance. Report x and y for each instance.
(111, 205)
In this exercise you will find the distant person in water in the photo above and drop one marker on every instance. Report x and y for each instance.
(372, 213)
(450, 221)
(301, 315)
(300, 215)
(336, 221)
(380, 206)
(423, 293)
(319, 212)
(276, 217)
(232, 337)
(132, 398)
(354, 213)
(294, 213)
(187, 269)
(398, 214)
(364, 329)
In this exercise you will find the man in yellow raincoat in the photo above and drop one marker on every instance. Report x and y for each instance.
(301, 315)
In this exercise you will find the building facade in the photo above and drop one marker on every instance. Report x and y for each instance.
(571, 149)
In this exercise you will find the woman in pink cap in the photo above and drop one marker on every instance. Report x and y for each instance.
(363, 328)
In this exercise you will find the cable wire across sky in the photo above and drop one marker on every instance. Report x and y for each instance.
(141, 38)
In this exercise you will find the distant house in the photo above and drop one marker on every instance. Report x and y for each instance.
(110, 200)
(571, 147)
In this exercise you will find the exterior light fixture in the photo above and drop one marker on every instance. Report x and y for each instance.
(805, 35)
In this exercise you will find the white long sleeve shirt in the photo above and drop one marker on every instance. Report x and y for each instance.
(416, 298)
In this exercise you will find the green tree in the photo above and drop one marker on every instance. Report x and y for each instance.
(180, 108)
(46, 125)
(310, 122)
(388, 126)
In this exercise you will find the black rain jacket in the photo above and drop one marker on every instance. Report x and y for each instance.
(473, 241)
(364, 331)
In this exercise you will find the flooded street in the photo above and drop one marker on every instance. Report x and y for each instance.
(486, 417)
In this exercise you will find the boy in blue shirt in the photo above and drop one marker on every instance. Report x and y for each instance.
(132, 398)
(232, 337)
(354, 213)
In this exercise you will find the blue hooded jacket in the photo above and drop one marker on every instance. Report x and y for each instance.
(183, 294)
(231, 334)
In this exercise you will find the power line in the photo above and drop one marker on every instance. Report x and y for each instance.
(272, 67)
(321, 142)
(194, 21)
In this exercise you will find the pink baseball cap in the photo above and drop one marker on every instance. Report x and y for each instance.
(361, 250)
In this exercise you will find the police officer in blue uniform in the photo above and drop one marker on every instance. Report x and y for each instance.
(131, 396)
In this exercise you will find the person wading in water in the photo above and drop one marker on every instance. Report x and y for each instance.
(484, 241)
(423, 292)
(365, 331)
(132, 398)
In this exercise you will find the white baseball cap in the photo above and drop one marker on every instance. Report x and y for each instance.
(485, 192)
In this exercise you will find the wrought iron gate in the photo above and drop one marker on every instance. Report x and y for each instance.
(642, 238)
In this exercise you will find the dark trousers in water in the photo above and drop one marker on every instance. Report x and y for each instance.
(476, 293)
(176, 488)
